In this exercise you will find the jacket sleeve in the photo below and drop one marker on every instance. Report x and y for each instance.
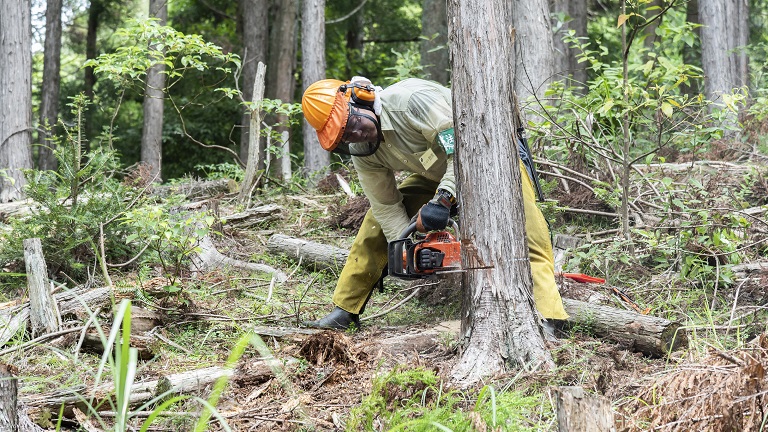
(386, 200)
(431, 113)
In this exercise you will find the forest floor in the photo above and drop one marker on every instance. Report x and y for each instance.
(337, 381)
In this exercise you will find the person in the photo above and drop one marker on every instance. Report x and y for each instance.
(406, 127)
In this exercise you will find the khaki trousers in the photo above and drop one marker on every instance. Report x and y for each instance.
(368, 255)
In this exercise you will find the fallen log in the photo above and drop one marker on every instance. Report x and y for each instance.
(209, 258)
(43, 311)
(579, 412)
(14, 317)
(311, 254)
(254, 216)
(647, 334)
(182, 383)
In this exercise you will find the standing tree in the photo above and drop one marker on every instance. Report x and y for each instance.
(49, 97)
(154, 96)
(535, 53)
(255, 33)
(280, 70)
(498, 315)
(434, 50)
(316, 160)
(569, 15)
(716, 56)
(95, 12)
(15, 97)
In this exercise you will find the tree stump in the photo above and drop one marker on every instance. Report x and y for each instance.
(9, 418)
(579, 412)
(44, 314)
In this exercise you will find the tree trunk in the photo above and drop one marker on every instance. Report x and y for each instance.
(535, 53)
(569, 15)
(579, 412)
(692, 54)
(316, 160)
(49, 97)
(15, 97)
(650, 30)
(94, 15)
(253, 160)
(719, 72)
(9, 418)
(282, 62)
(498, 314)
(740, 27)
(44, 315)
(154, 95)
(434, 50)
(255, 31)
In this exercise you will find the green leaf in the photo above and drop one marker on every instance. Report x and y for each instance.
(666, 108)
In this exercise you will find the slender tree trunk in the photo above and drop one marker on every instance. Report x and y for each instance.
(718, 70)
(255, 31)
(692, 54)
(355, 34)
(154, 96)
(15, 97)
(569, 15)
(498, 315)
(94, 15)
(316, 160)
(741, 29)
(282, 65)
(650, 30)
(49, 98)
(434, 50)
(535, 52)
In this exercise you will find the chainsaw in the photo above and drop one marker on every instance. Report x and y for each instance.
(421, 256)
(417, 256)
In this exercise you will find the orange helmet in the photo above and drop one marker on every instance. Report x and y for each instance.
(327, 110)
(325, 104)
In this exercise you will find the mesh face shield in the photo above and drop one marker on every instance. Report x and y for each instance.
(360, 149)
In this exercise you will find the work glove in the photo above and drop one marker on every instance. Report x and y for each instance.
(434, 215)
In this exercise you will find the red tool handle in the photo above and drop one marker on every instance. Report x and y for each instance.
(580, 277)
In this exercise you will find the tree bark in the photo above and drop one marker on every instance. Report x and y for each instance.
(253, 159)
(209, 258)
(15, 97)
(569, 15)
(9, 418)
(534, 49)
(316, 160)
(44, 313)
(435, 56)
(154, 96)
(49, 97)
(255, 31)
(498, 313)
(647, 334)
(309, 253)
(282, 63)
(579, 412)
(692, 54)
(94, 16)
(716, 59)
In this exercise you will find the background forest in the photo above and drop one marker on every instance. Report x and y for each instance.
(648, 120)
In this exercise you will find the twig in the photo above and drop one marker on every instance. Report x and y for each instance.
(41, 339)
(170, 342)
(400, 303)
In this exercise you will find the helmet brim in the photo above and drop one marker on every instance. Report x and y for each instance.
(330, 135)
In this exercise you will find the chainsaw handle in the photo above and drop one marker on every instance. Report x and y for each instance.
(411, 228)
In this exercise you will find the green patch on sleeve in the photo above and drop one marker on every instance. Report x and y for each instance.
(446, 139)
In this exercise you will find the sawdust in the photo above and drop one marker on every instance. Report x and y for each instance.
(726, 391)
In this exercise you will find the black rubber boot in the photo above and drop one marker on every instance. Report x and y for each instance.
(338, 319)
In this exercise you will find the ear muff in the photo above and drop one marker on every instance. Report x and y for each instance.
(361, 94)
